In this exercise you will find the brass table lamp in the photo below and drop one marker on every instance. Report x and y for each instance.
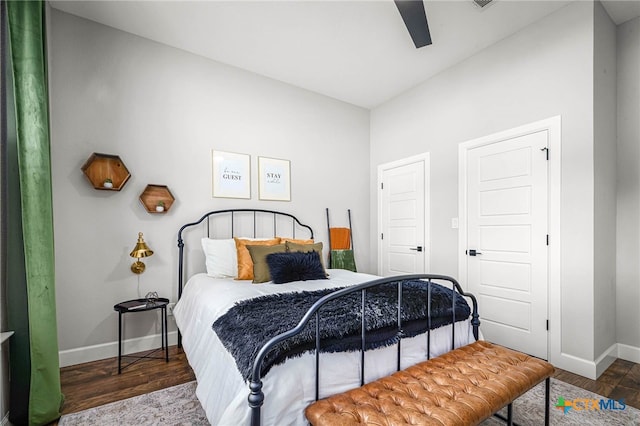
(139, 251)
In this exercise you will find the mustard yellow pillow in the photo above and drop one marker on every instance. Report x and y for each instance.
(295, 241)
(245, 264)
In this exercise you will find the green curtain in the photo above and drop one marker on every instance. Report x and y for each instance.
(28, 56)
(15, 284)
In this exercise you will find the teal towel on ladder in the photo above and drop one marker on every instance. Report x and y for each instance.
(343, 259)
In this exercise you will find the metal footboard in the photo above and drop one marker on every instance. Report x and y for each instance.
(256, 396)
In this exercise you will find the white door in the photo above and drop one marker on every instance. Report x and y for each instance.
(403, 188)
(507, 240)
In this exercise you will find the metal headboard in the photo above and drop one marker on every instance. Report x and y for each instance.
(233, 212)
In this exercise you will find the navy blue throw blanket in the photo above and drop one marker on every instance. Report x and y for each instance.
(249, 324)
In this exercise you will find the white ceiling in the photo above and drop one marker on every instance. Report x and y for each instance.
(357, 51)
(622, 11)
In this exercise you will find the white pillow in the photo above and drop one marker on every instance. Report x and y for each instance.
(221, 257)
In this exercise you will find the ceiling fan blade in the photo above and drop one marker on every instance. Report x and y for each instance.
(415, 18)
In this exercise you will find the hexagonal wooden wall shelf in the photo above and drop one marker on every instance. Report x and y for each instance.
(157, 198)
(106, 172)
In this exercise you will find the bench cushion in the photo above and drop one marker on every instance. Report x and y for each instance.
(461, 387)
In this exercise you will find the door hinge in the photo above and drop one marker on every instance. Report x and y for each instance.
(381, 236)
(381, 185)
(547, 239)
(546, 151)
(547, 325)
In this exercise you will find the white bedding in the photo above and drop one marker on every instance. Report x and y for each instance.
(290, 387)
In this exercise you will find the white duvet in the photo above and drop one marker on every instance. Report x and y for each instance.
(290, 387)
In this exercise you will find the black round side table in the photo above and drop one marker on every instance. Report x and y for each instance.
(142, 305)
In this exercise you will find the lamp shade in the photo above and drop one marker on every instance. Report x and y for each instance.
(141, 249)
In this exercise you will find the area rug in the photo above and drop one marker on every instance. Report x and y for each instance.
(570, 405)
(178, 405)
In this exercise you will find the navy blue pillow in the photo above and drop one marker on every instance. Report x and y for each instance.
(295, 266)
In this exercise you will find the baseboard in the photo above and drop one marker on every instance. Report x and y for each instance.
(582, 367)
(606, 359)
(629, 353)
(573, 364)
(593, 369)
(110, 350)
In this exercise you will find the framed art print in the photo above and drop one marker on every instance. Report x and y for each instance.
(274, 179)
(231, 175)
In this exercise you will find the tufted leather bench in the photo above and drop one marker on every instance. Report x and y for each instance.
(462, 387)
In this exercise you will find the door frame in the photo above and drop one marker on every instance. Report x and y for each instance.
(553, 126)
(425, 157)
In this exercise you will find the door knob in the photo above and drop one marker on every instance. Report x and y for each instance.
(419, 248)
(473, 253)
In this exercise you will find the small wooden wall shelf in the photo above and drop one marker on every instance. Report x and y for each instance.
(153, 195)
(100, 167)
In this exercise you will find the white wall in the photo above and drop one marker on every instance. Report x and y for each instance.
(163, 110)
(604, 120)
(542, 71)
(628, 207)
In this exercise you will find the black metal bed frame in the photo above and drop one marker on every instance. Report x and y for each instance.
(256, 396)
(232, 213)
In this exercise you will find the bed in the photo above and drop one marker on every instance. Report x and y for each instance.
(280, 390)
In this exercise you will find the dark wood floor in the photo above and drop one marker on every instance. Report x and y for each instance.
(621, 380)
(96, 383)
